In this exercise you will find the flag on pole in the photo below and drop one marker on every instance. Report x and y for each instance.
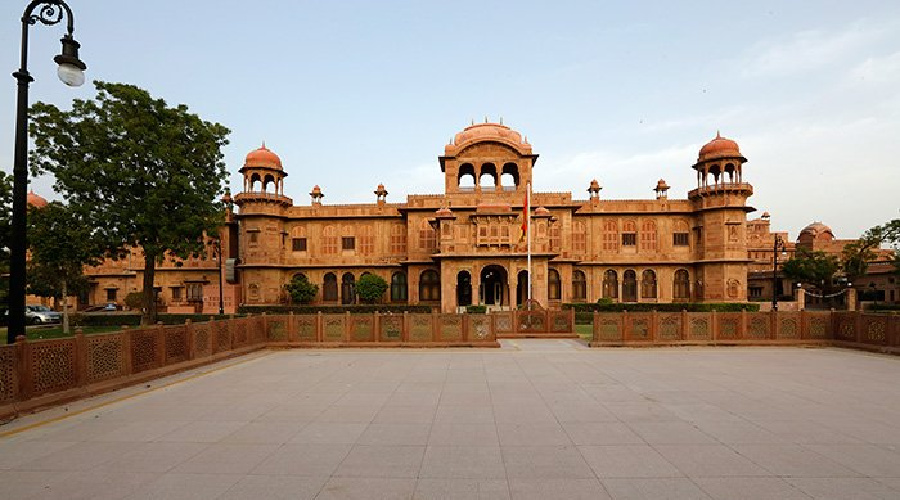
(525, 211)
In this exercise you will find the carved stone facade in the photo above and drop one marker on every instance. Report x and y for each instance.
(465, 246)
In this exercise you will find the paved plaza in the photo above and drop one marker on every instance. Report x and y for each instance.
(536, 419)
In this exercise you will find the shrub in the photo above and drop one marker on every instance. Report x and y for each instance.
(134, 300)
(371, 288)
(476, 309)
(301, 290)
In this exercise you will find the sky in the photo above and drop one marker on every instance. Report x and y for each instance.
(351, 94)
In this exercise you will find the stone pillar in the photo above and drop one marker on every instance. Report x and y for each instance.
(851, 299)
(801, 299)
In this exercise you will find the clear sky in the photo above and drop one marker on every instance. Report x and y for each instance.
(354, 93)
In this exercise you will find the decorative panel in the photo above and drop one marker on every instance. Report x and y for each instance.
(699, 326)
(669, 327)
(480, 328)
(52, 366)
(201, 340)
(845, 327)
(560, 322)
(105, 356)
(277, 329)
(451, 328)
(608, 328)
(333, 327)
(874, 329)
(143, 349)
(306, 327)
(391, 326)
(420, 328)
(817, 325)
(222, 331)
(9, 373)
(532, 321)
(176, 344)
(788, 325)
(362, 328)
(638, 328)
(729, 326)
(503, 322)
(758, 326)
(239, 329)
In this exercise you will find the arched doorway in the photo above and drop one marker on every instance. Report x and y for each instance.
(348, 289)
(494, 286)
(521, 288)
(463, 289)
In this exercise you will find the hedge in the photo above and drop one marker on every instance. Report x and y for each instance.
(882, 307)
(80, 319)
(476, 309)
(353, 309)
(582, 307)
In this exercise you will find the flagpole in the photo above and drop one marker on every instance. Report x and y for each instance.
(528, 235)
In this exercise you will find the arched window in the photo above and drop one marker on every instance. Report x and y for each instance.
(648, 284)
(330, 288)
(554, 285)
(554, 235)
(579, 285)
(610, 284)
(398, 287)
(255, 183)
(629, 286)
(488, 178)
(348, 288)
(509, 177)
(682, 285)
(267, 181)
(466, 179)
(429, 286)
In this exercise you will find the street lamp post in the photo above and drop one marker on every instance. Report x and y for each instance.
(221, 290)
(778, 245)
(71, 72)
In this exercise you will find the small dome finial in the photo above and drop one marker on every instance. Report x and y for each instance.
(718, 135)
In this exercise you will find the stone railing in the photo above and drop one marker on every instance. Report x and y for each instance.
(40, 373)
(844, 329)
(535, 324)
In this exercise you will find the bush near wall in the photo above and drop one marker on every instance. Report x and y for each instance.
(353, 309)
(79, 319)
(476, 309)
(883, 307)
(580, 307)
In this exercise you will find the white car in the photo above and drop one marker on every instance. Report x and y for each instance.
(41, 315)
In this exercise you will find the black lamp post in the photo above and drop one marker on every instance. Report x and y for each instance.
(778, 245)
(71, 72)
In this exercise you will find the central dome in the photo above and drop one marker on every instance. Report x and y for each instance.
(263, 157)
(487, 132)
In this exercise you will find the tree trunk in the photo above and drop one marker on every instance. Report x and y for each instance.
(65, 299)
(148, 297)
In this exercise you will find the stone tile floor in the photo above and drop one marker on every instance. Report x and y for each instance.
(536, 419)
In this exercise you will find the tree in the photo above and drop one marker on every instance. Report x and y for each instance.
(61, 243)
(301, 290)
(140, 172)
(856, 256)
(371, 288)
(6, 186)
(812, 267)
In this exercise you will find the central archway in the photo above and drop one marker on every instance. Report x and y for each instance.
(494, 286)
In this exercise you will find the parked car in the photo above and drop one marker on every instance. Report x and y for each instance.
(38, 315)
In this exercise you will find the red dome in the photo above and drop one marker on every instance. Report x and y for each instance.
(263, 157)
(718, 148)
(36, 200)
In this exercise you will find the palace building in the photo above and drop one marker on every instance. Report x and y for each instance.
(465, 246)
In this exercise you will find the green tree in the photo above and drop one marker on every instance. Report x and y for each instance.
(140, 172)
(812, 267)
(371, 288)
(301, 290)
(60, 243)
(856, 256)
